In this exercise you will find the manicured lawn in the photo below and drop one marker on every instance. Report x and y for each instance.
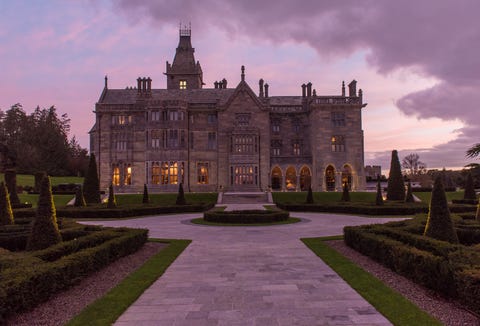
(166, 198)
(321, 197)
(391, 304)
(425, 196)
(29, 180)
(59, 200)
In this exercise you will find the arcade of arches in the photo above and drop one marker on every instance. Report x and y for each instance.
(291, 180)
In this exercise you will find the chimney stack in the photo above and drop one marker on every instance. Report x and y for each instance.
(343, 88)
(139, 85)
(304, 90)
(266, 90)
(309, 89)
(352, 88)
(260, 86)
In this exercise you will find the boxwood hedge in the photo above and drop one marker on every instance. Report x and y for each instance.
(246, 216)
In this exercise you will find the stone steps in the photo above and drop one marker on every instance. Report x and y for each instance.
(244, 198)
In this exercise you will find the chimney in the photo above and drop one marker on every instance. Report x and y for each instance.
(144, 85)
(149, 84)
(309, 89)
(260, 87)
(106, 82)
(360, 94)
(314, 92)
(352, 88)
(224, 83)
(304, 89)
(266, 90)
(343, 88)
(139, 85)
(215, 84)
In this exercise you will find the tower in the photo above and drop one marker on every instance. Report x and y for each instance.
(184, 72)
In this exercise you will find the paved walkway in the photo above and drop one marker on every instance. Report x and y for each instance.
(249, 276)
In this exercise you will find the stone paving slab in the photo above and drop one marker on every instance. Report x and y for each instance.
(249, 276)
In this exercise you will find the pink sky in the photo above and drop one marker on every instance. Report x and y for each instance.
(416, 61)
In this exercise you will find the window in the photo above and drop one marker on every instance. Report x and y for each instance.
(172, 138)
(155, 116)
(297, 148)
(276, 145)
(173, 115)
(338, 119)
(183, 84)
(242, 119)
(244, 175)
(128, 175)
(276, 126)
(155, 173)
(244, 144)
(156, 138)
(276, 151)
(212, 140)
(119, 120)
(165, 173)
(296, 127)
(212, 118)
(338, 144)
(202, 173)
(116, 175)
(120, 142)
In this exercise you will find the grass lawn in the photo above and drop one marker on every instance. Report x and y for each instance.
(321, 197)
(391, 304)
(29, 180)
(425, 196)
(59, 200)
(166, 198)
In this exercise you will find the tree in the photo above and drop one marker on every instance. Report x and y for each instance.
(44, 231)
(145, 198)
(413, 166)
(474, 151)
(409, 198)
(345, 193)
(439, 224)
(396, 186)
(379, 198)
(6, 213)
(477, 216)
(112, 203)
(469, 188)
(309, 195)
(79, 199)
(181, 196)
(11, 181)
(91, 185)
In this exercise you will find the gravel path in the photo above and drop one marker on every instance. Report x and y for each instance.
(448, 312)
(63, 306)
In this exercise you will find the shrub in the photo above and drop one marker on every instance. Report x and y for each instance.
(79, 199)
(91, 185)
(45, 228)
(181, 196)
(439, 224)
(469, 188)
(6, 213)
(145, 198)
(309, 196)
(345, 193)
(11, 182)
(396, 186)
(477, 215)
(379, 197)
(409, 198)
(38, 180)
(112, 203)
(246, 216)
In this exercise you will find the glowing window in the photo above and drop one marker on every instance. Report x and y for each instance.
(128, 175)
(183, 84)
(202, 173)
(116, 175)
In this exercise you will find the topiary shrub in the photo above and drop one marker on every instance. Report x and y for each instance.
(477, 216)
(38, 180)
(345, 193)
(112, 203)
(379, 198)
(6, 213)
(469, 193)
(11, 182)
(396, 186)
(91, 185)
(409, 198)
(309, 196)
(79, 199)
(439, 224)
(181, 196)
(44, 231)
(145, 199)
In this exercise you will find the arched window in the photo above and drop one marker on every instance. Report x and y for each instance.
(291, 178)
(276, 178)
(330, 178)
(305, 178)
(347, 176)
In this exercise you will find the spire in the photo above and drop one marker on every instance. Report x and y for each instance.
(106, 82)
(243, 73)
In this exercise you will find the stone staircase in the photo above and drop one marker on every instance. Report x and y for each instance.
(245, 198)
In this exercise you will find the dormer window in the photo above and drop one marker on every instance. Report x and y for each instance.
(183, 84)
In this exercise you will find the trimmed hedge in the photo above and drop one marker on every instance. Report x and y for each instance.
(465, 201)
(38, 282)
(386, 209)
(246, 216)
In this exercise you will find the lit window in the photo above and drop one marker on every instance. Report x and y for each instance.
(155, 173)
(128, 175)
(338, 144)
(202, 173)
(116, 175)
(296, 149)
(183, 84)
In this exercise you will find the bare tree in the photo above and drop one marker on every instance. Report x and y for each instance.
(413, 166)
(474, 151)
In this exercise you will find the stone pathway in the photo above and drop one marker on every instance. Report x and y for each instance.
(249, 276)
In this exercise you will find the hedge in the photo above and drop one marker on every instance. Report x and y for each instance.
(246, 216)
(356, 209)
(465, 201)
(22, 290)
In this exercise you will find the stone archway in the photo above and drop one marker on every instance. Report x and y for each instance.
(305, 178)
(330, 178)
(290, 179)
(347, 176)
(276, 181)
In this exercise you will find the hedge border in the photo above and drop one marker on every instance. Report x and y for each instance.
(246, 216)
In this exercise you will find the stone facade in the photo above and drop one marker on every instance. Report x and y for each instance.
(225, 139)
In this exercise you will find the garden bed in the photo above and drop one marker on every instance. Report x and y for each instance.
(246, 216)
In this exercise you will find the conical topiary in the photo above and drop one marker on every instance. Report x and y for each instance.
(112, 203)
(11, 182)
(439, 224)
(6, 213)
(38, 180)
(469, 188)
(181, 196)
(477, 216)
(379, 198)
(309, 196)
(345, 193)
(396, 186)
(91, 186)
(145, 198)
(44, 231)
(409, 198)
(79, 199)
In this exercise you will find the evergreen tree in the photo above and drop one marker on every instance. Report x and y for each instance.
(396, 186)
(38, 180)
(439, 224)
(145, 198)
(181, 196)
(477, 216)
(11, 181)
(6, 213)
(79, 199)
(409, 198)
(91, 186)
(345, 193)
(112, 203)
(44, 231)
(379, 198)
(469, 188)
(309, 196)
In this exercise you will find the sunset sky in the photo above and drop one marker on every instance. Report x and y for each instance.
(417, 62)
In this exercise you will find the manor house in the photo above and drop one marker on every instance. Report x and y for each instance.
(224, 138)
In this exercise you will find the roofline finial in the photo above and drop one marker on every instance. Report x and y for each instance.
(243, 73)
